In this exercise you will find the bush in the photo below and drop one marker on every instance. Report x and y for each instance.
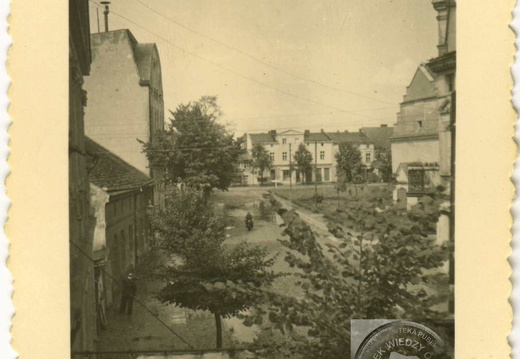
(318, 198)
(373, 178)
(358, 179)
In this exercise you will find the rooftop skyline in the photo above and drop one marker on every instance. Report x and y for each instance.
(327, 65)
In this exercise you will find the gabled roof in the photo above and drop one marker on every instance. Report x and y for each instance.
(380, 136)
(109, 171)
(350, 137)
(290, 132)
(316, 137)
(262, 138)
(422, 85)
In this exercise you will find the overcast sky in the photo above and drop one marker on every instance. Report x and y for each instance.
(279, 64)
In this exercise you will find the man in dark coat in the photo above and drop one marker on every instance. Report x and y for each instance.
(128, 294)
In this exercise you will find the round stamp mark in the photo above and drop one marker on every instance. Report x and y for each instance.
(401, 339)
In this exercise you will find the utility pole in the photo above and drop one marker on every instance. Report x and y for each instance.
(316, 174)
(290, 168)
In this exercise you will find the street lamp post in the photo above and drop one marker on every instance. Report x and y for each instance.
(290, 168)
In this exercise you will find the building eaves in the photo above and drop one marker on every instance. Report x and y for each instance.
(417, 136)
(316, 137)
(262, 138)
(106, 170)
(349, 137)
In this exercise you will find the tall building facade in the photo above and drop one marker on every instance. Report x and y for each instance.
(445, 68)
(422, 142)
(81, 220)
(120, 195)
(126, 103)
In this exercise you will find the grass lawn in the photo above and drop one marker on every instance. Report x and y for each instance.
(331, 199)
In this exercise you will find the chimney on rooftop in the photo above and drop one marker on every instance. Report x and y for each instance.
(384, 125)
(106, 12)
(307, 132)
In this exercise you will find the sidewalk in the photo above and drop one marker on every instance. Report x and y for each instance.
(142, 331)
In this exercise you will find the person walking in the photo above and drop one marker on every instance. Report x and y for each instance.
(128, 294)
(249, 221)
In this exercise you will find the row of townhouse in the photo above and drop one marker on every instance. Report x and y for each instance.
(282, 147)
(115, 96)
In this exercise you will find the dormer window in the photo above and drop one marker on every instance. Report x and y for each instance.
(284, 141)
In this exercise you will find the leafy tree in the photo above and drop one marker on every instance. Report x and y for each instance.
(196, 149)
(348, 160)
(382, 268)
(384, 157)
(303, 161)
(217, 280)
(203, 273)
(261, 160)
(185, 215)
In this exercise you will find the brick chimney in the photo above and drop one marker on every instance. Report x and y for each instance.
(384, 125)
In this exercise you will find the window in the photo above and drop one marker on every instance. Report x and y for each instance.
(284, 156)
(420, 124)
(368, 157)
(284, 141)
(286, 175)
(322, 144)
(271, 156)
(416, 181)
(322, 155)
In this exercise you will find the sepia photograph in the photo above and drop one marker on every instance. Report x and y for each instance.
(262, 179)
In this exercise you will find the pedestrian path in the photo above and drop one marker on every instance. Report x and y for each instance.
(315, 220)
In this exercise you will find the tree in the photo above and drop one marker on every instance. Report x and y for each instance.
(382, 268)
(206, 274)
(303, 161)
(218, 280)
(186, 214)
(196, 149)
(348, 160)
(384, 157)
(261, 160)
